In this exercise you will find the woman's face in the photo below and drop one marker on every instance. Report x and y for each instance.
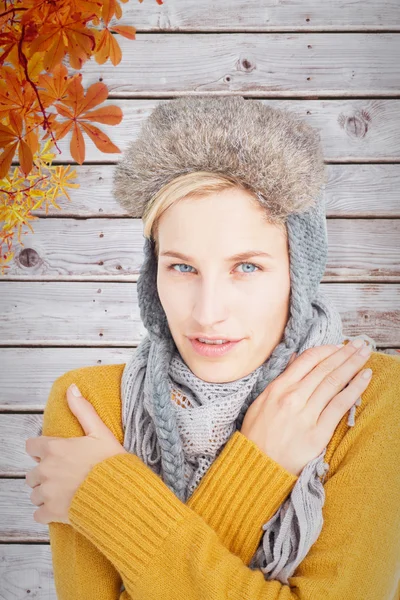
(210, 293)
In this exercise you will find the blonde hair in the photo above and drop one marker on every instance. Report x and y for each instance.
(190, 185)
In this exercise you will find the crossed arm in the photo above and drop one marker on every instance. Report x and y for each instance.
(127, 526)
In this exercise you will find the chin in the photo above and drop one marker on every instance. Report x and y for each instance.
(216, 372)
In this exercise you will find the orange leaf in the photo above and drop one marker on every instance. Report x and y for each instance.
(118, 11)
(55, 86)
(55, 54)
(75, 94)
(103, 47)
(77, 146)
(100, 139)
(7, 135)
(25, 157)
(16, 122)
(115, 51)
(33, 141)
(6, 159)
(125, 30)
(64, 111)
(110, 115)
(60, 129)
(97, 93)
(42, 43)
(108, 10)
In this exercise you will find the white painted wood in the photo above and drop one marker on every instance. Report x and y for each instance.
(27, 374)
(14, 431)
(352, 190)
(252, 15)
(265, 64)
(361, 130)
(16, 513)
(112, 250)
(26, 572)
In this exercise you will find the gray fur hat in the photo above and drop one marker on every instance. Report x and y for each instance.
(269, 150)
(274, 154)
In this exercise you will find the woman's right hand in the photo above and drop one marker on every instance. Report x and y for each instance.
(294, 418)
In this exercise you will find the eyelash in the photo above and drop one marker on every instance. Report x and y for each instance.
(170, 267)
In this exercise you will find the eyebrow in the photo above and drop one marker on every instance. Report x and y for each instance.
(240, 256)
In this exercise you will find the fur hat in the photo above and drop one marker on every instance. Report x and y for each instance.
(271, 151)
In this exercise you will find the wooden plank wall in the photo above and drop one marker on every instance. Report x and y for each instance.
(69, 299)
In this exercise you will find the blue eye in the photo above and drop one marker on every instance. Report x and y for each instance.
(179, 265)
(252, 265)
(171, 267)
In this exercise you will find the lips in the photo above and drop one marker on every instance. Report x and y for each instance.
(212, 350)
(213, 338)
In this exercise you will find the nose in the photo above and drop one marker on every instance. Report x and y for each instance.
(210, 303)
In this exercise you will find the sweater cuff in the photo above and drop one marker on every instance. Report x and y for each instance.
(242, 490)
(126, 511)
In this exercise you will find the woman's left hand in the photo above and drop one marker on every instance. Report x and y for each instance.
(64, 463)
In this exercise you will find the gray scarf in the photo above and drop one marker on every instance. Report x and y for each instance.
(172, 438)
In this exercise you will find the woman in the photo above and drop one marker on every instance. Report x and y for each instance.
(212, 485)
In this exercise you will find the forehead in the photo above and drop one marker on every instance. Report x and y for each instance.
(231, 214)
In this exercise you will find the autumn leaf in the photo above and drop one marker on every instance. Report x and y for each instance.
(65, 33)
(107, 48)
(125, 30)
(76, 109)
(35, 37)
(15, 93)
(11, 139)
(54, 86)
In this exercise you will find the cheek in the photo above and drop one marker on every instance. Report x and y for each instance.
(272, 299)
(174, 299)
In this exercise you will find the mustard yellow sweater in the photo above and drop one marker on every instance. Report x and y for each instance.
(128, 527)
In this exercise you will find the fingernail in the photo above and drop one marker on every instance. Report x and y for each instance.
(367, 373)
(339, 345)
(75, 390)
(365, 351)
(358, 343)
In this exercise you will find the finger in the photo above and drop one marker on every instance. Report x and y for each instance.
(33, 477)
(37, 446)
(37, 496)
(329, 379)
(87, 416)
(335, 410)
(306, 361)
(42, 515)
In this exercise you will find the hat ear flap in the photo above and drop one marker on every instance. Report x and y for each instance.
(308, 244)
(152, 313)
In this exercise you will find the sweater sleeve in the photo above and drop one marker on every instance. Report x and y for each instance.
(163, 548)
(80, 570)
(243, 485)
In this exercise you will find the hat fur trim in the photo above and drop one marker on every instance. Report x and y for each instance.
(272, 151)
